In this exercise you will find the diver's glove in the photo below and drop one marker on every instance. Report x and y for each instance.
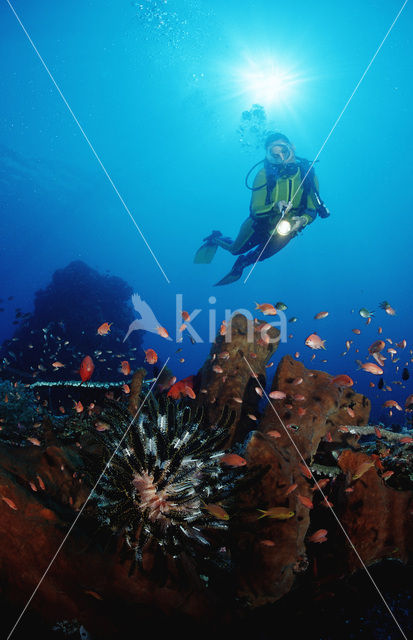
(282, 206)
(298, 223)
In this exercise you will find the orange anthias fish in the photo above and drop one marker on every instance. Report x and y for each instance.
(370, 367)
(321, 315)
(190, 392)
(291, 488)
(342, 380)
(233, 460)
(78, 406)
(181, 388)
(320, 484)
(379, 358)
(94, 594)
(315, 342)
(86, 368)
(274, 433)
(104, 328)
(377, 346)
(377, 462)
(9, 503)
(267, 543)
(162, 332)
(307, 502)
(392, 403)
(185, 316)
(277, 395)
(151, 356)
(266, 308)
(319, 536)
(305, 470)
(125, 367)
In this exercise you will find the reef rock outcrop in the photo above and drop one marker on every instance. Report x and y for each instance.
(63, 328)
(237, 360)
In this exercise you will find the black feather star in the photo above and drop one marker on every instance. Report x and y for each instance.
(165, 472)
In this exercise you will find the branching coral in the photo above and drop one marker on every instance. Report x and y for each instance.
(165, 482)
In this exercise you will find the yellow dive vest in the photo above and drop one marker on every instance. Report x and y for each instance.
(284, 189)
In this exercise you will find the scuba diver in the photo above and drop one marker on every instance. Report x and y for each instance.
(284, 200)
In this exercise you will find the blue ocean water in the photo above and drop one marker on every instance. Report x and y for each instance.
(159, 89)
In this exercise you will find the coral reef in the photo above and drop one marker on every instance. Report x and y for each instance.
(213, 509)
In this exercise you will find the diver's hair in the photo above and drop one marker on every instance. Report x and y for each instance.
(272, 137)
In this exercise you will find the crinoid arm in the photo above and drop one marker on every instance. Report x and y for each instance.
(164, 469)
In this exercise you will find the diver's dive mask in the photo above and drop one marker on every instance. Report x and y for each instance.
(280, 153)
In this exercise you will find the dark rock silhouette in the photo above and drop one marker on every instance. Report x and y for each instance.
(63, 327)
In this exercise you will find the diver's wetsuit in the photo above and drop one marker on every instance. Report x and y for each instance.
(257, 230)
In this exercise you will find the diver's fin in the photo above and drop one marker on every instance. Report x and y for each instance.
(234, 274)
(206, 253)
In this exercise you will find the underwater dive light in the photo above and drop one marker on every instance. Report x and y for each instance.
(283, 228)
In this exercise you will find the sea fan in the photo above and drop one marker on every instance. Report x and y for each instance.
(165, 471)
